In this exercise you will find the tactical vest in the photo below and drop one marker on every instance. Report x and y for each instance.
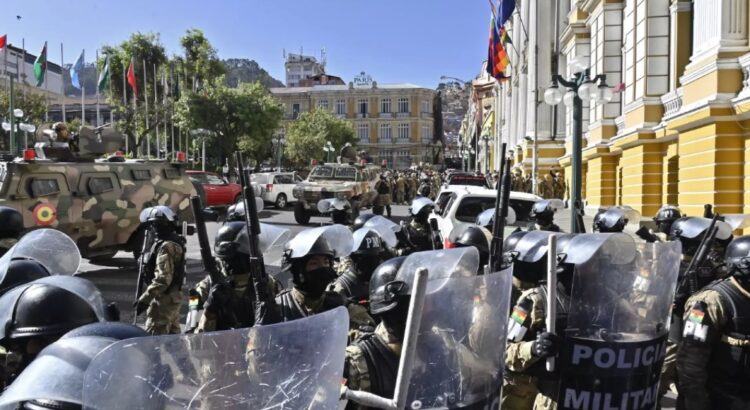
(705, 276)
(420, 241)
(382, 364)
(291, 310)
(355, 289)
(178, 277)
(539, 369)
(233, 310)
(729, 367)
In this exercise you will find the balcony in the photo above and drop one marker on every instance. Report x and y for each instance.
(386, 115)
(384, 141)
(672, 102)
(340, 115)
(362, 115)
(426, 115)
(402, 115)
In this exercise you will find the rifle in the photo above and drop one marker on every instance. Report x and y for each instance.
(691, 273)
(437, 242)
(502, 202)
(265, 304)
(142, 264)
(646, 234)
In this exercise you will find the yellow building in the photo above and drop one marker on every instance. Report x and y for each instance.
(678, 130)
(393, 122)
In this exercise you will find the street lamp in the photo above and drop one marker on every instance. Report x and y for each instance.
(487, 141)
(15, 125)
(328, 148)
(202, 134)
(279, 141)
(466, 153)
(580, 87)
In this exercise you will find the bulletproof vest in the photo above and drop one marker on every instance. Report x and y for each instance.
(355, 289)
(420, 241)
(382, 364)
(291, 310)
(539, 369)
(178, 278)
(705, 275)
(234, 310)
(729, 367)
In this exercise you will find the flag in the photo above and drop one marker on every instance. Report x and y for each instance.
(131, 79)
(104, 76)
(497, 53)
(40, 66)
(75, 71)
(618, 88)
(3, 41)
(505, 9)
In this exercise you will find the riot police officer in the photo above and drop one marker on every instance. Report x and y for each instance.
(543, 213)
(664, 219)
(614, 219)
(230, 304)
(418, 233)
(11, 225)
(361, 220)
(372, 360)
(368, 252)
(479, 238)
(713, 360)
(165, 273)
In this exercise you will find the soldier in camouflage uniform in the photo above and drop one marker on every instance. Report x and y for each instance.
(165, 274)
(11, 225)
(367, 253)
(383, 187)
(372, 360)
(400, 189)
(418, 233)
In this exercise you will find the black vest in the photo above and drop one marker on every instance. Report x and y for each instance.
(291, 310)
(729, 367)
(355, 289)
(382, 364)
(232, 310)
(179, 274)
(417, 240)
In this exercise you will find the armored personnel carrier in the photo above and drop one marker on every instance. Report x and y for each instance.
(83, 186)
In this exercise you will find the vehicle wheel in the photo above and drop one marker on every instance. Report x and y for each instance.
(281, 201)
(301, 215)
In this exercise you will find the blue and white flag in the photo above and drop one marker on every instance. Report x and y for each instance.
(76, 70)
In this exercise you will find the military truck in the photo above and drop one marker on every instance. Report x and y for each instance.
(352, 182)
(70, 184)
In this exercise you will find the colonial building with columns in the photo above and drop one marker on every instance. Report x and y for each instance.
(678, 130)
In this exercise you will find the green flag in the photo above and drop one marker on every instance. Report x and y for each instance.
(40, 66)
(104, 76)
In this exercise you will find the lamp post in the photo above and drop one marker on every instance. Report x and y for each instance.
(487, 140)
(15, 126)
(202, 134)
(328, 148)
(580, 87)
(279, 141)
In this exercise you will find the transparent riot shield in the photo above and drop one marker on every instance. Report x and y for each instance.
(291, 365)
(737, 221)
(533, 246)
(441, 265)
(271, 237)
(461, 341)
(615, 341)
(386, 228)
(339, 239)
(51, 248)
(695, 226)
(487, 218)
(332, 204)
(631, 217)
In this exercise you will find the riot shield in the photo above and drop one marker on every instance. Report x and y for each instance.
(332, 204)
(554, 204)
(239, 207)
(419, 203)
(615, 341)
(737, 221)
(487, 217)
(695, 226)
(611, 216)
(271, 237)
(533, 246)
(386, 228)
(290, 365)
(460, 344)
(339, 239)
(51, 248)
(441, 265)
(57, 373)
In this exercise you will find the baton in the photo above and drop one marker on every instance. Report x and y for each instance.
(551, 292)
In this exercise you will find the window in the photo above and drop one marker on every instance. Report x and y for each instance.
(363, 132)
(426, 134)
(403, 105)
(215, 180)
(321, 172)
(43, 187)
(283, 179)
(403, 131)
(362, 106)
(385, 132)
(295, 111)
(323, 104)
(347, 173)
(385, 105)
(340, 107)
(425, 106)
(100, 185)
(472, 206)
(172, 173)
(141, 174)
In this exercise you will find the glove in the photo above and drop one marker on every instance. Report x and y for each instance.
(140, 307)
(546, 345)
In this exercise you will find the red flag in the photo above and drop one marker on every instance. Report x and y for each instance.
(3, 41)
(131, 79)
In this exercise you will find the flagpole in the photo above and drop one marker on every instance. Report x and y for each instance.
(5, 61)
(171, 106)
(62, 82)
(83, 90)
(96, 71)
(156, 115)
(145, 99)
(23, 64)
(46, 85)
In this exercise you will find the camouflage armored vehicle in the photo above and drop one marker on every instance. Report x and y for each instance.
(66, 183)
(350, 182)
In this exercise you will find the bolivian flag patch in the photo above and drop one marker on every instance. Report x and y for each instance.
(519, 315)
(696, 316)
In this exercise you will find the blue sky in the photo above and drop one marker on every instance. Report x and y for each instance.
(413, 41)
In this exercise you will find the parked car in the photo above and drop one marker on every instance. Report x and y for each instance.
(458, 207)
(277, 187)
(219, 192)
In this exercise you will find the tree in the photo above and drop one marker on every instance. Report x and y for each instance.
(201, 63)
(306, 137)
(242, 118)
(32, 105)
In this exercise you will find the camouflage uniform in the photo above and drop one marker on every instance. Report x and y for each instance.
(162, 296)
(558, 187)
(412, 188)
(400, 187)
(358, 317)
(343, 265)
(358, 373)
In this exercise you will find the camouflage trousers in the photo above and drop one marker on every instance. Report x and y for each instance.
(669, 370)
(519, 392)
(163, 315)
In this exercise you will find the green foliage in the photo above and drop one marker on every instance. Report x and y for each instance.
(31, 103)
(201, 60)
(244, 117)
(306, 137)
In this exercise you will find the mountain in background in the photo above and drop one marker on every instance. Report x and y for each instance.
(238, 70)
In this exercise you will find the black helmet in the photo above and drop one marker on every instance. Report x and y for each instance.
(384, 289)
(11, 222)
(543, 212)
(666, 217)
(225, 243)
(597, 219)
(161, 217)
(368, 244)
(478, 238)
(114, 330)
(21, 271)
(738, 255)
(512, 240)
(612, 220)
(46, 310)
(236, 212)
(360, 221)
